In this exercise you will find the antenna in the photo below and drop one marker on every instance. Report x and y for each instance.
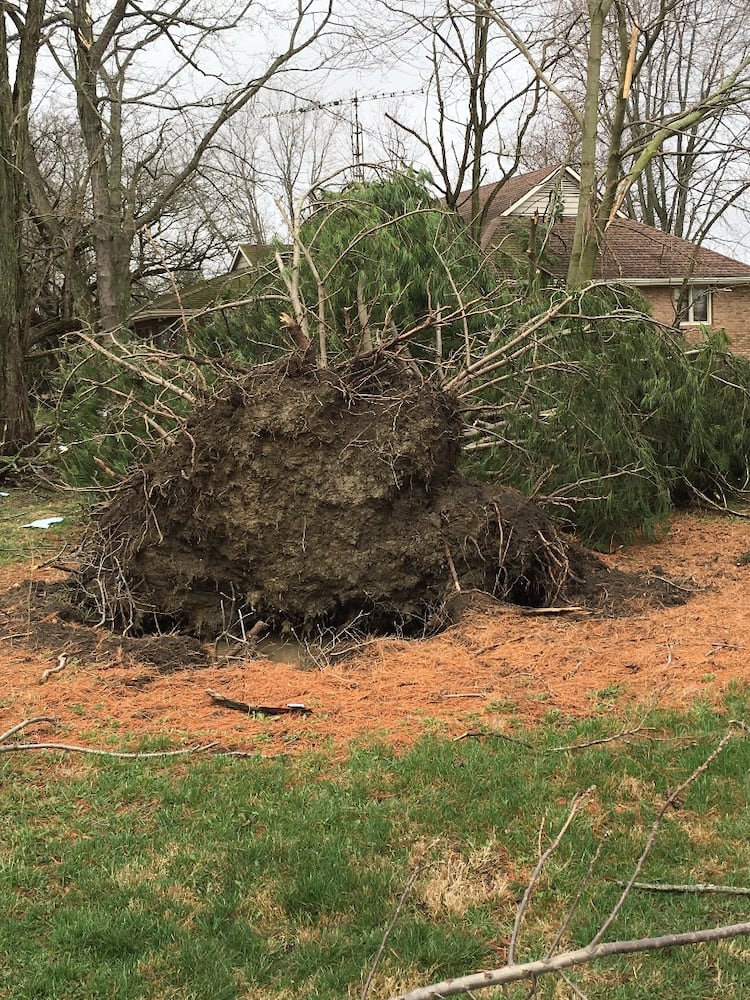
(357, 132)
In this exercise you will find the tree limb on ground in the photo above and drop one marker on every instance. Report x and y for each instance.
(513, 972)
(292, 708)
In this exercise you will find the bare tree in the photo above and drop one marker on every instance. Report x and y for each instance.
(25, 34)
(142, 132)
(272, 153)
(699, 173)
(475, 89)
(60, 264)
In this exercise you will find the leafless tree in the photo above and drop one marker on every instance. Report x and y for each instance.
(146, 133)
(476, 87)
(700, 172)
(150, 89)
(270, 155)
(617, 46)
(22, 30)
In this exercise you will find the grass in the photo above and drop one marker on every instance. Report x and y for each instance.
(274, 879)
(22, 506)
(224, 878)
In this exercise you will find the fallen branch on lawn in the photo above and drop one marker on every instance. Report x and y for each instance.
(596, 948)
(707, 887)
(73, 748)
(532, 970)
(292, 708)
(26, 722)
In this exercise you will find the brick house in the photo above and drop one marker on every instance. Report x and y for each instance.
(687, 286)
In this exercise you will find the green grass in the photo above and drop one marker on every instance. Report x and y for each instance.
(231, 879)
(23, 506)
(251, 879)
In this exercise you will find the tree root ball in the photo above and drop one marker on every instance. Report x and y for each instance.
(311, 499)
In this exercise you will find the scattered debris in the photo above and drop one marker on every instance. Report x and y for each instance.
(44, 522)
(292, 708)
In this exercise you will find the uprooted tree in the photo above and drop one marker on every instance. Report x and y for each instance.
(312, 496)
(313, 499)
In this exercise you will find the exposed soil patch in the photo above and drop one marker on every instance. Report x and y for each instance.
(508, 666)
(313, 500)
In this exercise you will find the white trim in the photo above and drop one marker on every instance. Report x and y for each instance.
(714, 283)
(239, 252)
(513, 209)
(692, 289)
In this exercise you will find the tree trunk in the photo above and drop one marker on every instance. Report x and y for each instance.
(110, 239)
(587, 236)
(16, 424)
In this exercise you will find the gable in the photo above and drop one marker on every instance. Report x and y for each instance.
(558, 195)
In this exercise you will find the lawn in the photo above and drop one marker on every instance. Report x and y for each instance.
(247, 878)
(220, 877)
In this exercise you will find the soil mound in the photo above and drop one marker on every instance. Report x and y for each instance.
(315, 499)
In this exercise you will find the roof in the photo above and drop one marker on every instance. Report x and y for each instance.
(504, 195)
(251, 254)
(631, 250)
(640, 254)
(197, 298)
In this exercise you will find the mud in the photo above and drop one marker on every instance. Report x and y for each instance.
(314, 499)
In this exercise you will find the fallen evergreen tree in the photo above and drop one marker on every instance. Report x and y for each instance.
(576, 398)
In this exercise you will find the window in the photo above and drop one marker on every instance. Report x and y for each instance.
(692, 305)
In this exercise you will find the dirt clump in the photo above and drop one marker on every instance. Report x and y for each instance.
(313, 499)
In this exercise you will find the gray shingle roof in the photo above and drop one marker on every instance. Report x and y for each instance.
(631, 251)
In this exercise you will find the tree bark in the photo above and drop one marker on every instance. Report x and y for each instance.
(16, 423)
(586, 237)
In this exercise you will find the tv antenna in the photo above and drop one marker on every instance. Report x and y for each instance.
(357, 133)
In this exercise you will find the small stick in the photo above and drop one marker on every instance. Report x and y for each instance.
(104, 753)
(671, 583)
(480, 733)
(26, 722)
(567, 610)
(727, 890)
(523, 905)
(593, 743)
(243, 706)
(452, 567)
(399, 906)
(61, 664)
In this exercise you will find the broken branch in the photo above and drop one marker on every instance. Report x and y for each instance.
(61, 663)
(292, 708)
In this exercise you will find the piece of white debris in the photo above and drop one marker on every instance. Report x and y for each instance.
(4, 494)
(43, 522)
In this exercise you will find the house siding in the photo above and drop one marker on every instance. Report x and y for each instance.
(541, 201)
(730, 312)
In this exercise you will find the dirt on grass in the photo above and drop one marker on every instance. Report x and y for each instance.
(496, 666)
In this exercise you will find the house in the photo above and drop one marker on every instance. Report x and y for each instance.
(250, 256)
(687, 286)
(165, 317)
